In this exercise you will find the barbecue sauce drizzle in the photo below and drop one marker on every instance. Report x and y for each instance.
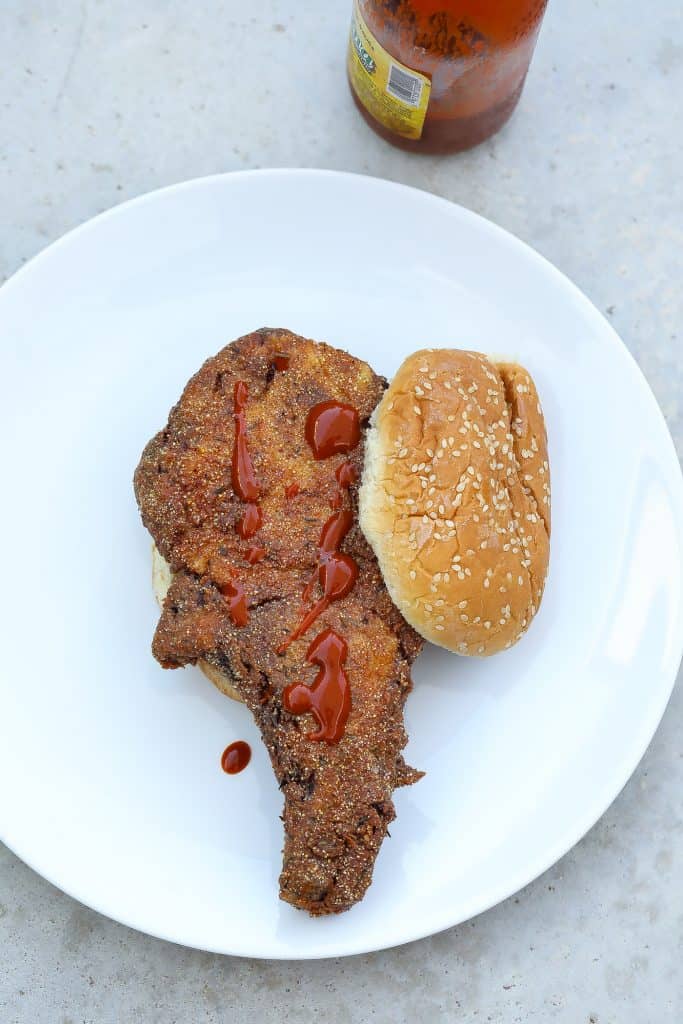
(329, 696)
(331, 428)
(243, 476)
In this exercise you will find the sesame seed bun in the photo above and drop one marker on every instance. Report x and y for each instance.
(455, 498)
(161, 581)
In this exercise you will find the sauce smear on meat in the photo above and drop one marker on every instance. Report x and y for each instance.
(251, 521)
(236, 757)
(243, 474)
(233, 593)
(329, 697)
(346, 475)
(337, 572)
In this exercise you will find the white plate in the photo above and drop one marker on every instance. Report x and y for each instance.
(111, 785)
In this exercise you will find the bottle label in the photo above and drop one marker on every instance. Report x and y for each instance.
(392, 93)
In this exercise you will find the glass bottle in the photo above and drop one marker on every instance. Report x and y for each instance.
(440, 76)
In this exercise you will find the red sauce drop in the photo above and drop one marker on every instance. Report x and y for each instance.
(254, 555)
(329, 697)
(236, 757)
(281, 361)
(336, 572)
(291, 491)
(332, 428)
(233, 593)
(251, 521)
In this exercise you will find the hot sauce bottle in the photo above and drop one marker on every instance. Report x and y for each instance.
(440, 76)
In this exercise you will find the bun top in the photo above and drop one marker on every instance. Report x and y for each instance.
(455, 498)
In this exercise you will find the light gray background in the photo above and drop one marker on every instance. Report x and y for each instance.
(104, 99)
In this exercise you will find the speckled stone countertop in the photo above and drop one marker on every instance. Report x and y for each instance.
(103, 101)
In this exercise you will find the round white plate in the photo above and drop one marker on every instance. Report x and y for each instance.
(111, 783)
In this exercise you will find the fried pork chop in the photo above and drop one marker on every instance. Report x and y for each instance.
(238, 616)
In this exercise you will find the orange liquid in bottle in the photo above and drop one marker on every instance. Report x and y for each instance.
(476, 54)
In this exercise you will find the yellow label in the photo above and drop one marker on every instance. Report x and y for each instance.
(392, 93)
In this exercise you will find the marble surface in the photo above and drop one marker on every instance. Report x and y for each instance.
(102, 101)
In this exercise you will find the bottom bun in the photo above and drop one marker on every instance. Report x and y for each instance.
(161, 581)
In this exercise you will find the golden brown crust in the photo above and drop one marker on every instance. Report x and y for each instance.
(455, 498)
(337, 797)
(162, 577)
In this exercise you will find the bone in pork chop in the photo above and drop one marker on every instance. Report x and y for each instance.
(275, 587)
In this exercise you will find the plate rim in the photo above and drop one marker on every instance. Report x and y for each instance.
(496, 894)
